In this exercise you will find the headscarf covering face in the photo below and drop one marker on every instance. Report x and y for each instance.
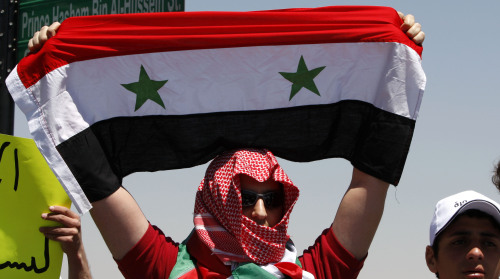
(218, 217)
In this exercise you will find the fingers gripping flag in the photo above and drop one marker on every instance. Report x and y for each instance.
(116, 94)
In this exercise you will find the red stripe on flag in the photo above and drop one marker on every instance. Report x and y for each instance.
(91, 37)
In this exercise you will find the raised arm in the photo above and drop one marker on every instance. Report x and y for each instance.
(118, 216)
(120, 221)
(359, 213)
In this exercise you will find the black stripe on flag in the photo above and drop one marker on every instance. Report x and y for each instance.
(373, 140)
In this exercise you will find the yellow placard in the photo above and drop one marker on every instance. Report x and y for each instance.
(27, 189)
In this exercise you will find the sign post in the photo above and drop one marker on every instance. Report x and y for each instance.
(33, 14)
(8, 18)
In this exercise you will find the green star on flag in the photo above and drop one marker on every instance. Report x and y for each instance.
(303, 78)
(146, 89)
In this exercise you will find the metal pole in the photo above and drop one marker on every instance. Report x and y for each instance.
(8, 35)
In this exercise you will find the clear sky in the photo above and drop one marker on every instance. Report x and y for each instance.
(455, 146)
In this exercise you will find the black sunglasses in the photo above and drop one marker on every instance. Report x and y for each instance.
(271, 199)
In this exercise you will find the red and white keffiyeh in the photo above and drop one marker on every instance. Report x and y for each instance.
(218, 217)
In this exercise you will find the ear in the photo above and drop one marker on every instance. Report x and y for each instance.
(430, 258)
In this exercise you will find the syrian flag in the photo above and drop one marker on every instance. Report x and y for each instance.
(116, 94)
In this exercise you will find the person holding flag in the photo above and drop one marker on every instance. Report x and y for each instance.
(241, 215)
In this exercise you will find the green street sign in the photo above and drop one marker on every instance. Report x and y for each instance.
(33, 14)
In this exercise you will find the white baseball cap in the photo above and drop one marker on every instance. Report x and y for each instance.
(450, 207)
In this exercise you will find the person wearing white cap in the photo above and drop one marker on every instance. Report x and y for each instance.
(465, 237)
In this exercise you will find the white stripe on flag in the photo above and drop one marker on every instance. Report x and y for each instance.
(233, 79)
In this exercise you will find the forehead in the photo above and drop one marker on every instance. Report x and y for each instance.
(248, 183)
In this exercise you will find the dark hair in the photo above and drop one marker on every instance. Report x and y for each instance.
(496, 176)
